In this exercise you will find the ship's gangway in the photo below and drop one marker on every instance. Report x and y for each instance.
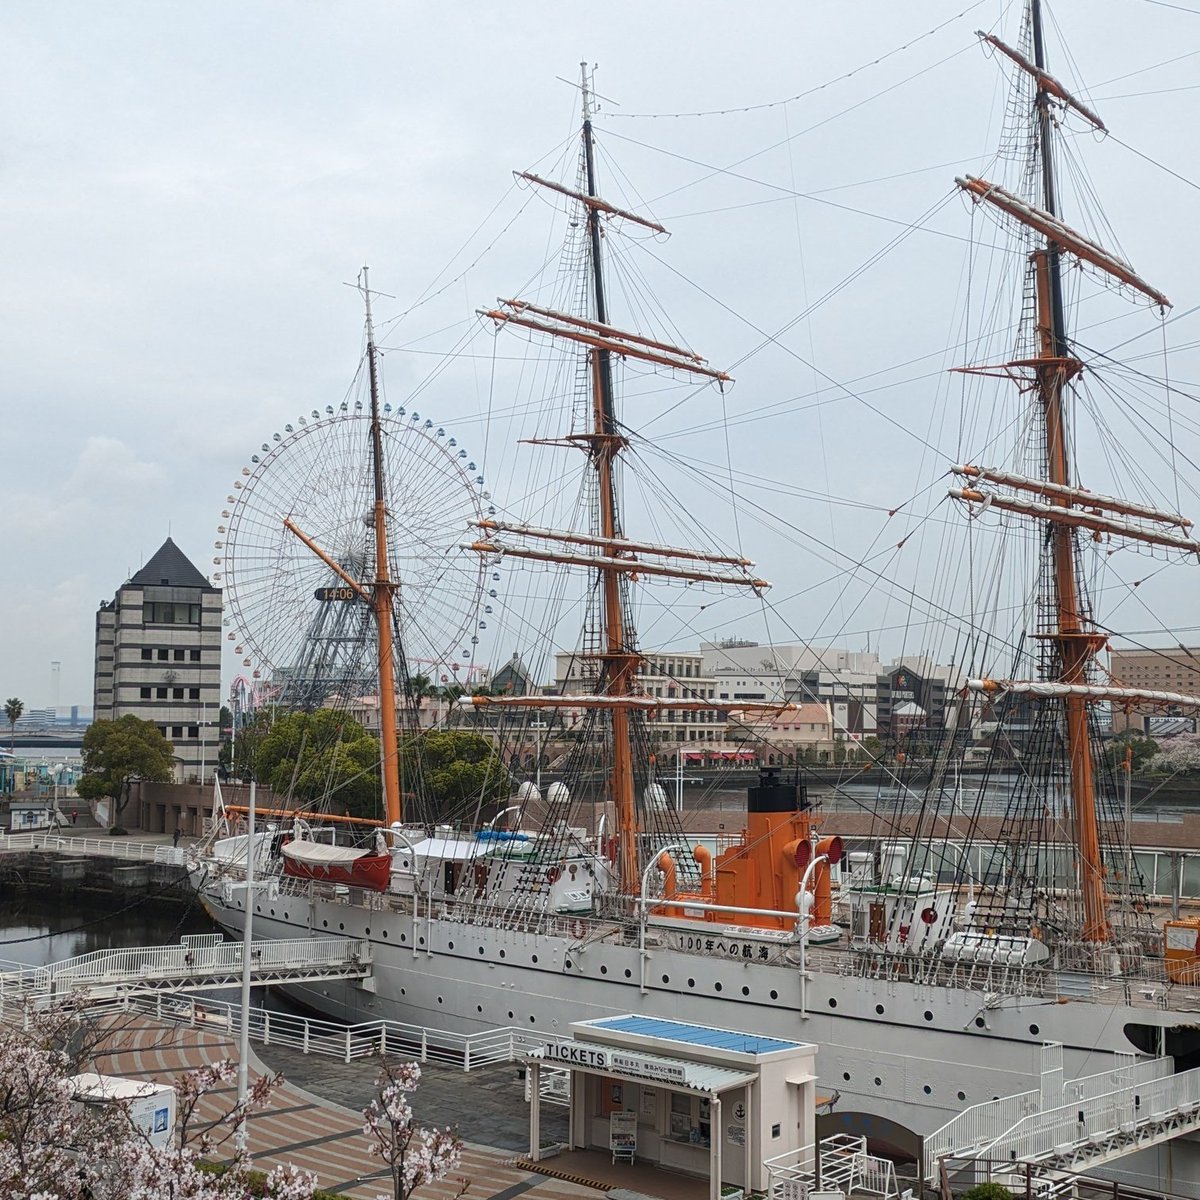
(1073, 1125)
(204, 962)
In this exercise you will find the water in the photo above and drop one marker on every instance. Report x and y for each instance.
(37, 928)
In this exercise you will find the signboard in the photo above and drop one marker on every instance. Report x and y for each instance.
(599, 1058)
(622, 1134)
(329, 595)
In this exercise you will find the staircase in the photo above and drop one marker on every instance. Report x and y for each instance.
(1076, 1125)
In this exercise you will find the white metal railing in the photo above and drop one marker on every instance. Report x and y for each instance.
(978, 1126)
(107, 847)
(315, 1035)
(196, 959)
(1124, 1110)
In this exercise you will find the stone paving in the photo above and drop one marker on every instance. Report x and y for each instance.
(326, 1137)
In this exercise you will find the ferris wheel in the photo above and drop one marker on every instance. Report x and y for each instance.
(292, 618)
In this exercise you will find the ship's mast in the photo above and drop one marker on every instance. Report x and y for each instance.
(382, 589)
(1065, 506)
(620, 662)
(1076, 645)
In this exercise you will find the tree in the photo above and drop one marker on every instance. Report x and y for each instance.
(1178, 755)
(461, 769)
(225, 741)
(1143, 748)
(414, 1156)
(115, 753)
(54, 1149)
(320, 756)
(13, 708)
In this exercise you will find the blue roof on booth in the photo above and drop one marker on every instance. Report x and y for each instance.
(694, 1035)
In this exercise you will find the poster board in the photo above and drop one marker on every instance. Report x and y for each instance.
(622, 1135)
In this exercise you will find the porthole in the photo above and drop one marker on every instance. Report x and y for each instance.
(287, 917)
(962, 1095)
(501, 952)
(1035, 1030)
(480, 949)
(567, 966)
(325, 923)
(979, 1022)
(449, 945)
(928, 1015)
(510, 1014)
(717, 986)
(341, 925)
(927, 1090)
(385, 934)
(628, 972)
(878, 1081)
(691, 983)
(846, 1076)
(603, 968)
(404, 937)
(404, 991)
(479, 1008)
(774, 994)
(532, 1018)
(421, 941)
(745, 991)
(666, 979)
(272, 912)
(366, 932)
(879, 1009)
(533, 958)
(439, 999)
(832, 1002)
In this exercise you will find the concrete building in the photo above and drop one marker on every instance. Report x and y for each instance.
(1174, 670)
(158, 657)
(670, 676)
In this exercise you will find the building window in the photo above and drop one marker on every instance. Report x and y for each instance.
(163, 654)
(177, 731)
(177, 693)
(161, 693)
(163, 730)
(193, 731)
(169, 613)
(145, 693)
(179, 656)
(194, 655)
(193, 693)
(147, 653)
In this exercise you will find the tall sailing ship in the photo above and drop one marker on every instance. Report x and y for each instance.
(925, 994)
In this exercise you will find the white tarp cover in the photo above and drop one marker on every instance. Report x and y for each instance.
(317, 854)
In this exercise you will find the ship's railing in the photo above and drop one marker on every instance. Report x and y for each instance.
(315, 1035)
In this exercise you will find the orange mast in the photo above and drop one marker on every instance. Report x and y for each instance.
(381, 594)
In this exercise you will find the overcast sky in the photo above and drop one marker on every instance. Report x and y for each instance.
(186, 187)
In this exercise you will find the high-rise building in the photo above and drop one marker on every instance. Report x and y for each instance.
(1175, 669)
(158, 657)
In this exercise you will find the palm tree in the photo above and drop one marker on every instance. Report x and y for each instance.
(13, 708)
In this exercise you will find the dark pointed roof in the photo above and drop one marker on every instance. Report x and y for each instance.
(170, 567)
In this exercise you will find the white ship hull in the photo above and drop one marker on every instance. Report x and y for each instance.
(912, 1055)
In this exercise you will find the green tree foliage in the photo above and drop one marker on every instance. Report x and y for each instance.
(987, 1191)
(225, 744)
(13, 708)
(1144, 749)
(461, 769)
(115, 753)
(332, 758)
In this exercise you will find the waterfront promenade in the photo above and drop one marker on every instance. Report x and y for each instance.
(326, 1137)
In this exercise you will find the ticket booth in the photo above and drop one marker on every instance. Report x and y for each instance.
(692, 1098)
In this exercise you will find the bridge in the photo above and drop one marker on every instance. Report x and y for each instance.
(1075, 1125)
(204, 962)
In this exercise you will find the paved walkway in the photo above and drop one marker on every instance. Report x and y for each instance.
(301, 1127)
